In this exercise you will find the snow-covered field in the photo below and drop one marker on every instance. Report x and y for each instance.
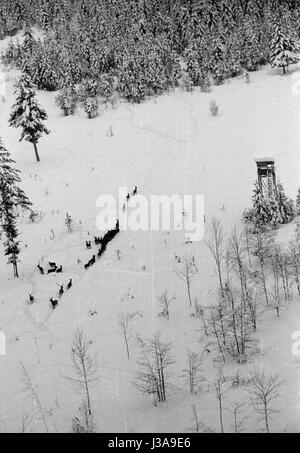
(169, 145)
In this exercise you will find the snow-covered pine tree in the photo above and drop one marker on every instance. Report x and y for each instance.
(105, 86)
(275, 217)
(67, 98)
(298, 202)
(28, 114)
(283, 49)
(29, 42)
(42, 69)
(261, 214)
(217, 64)
(11, 197)
(91, 107)
(193, 67)
(284, 204)
(11, 244)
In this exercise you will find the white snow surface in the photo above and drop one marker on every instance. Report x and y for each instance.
(166, 145)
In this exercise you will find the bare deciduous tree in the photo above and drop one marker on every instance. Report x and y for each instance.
(219, 394)
(152, 377)
(294, 253)
(215, 244)
(85, 369)
(200, 313)
(32, 389)
(264, 391)
(186, 271)
(198, 425)
(237, 254)
(125, 324)
(165, 302)
(193, 373)
(237, 409)
(261, 249)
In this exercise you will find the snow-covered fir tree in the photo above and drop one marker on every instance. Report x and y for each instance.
(28, 114)
(298, 202)
(105, 86)
(91, 107)
(261, 214)
(11, 197)
(29, 42)
(66, 99)
(284, 204)
(42, 70)
(275, 217)
(284, 49)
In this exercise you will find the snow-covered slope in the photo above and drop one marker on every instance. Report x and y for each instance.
(167, 145)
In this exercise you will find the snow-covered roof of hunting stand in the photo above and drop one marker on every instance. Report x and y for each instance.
(265, 160)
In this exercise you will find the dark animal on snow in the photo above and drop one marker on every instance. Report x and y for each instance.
(98, 240)
(70, 284)
(61, 291)
(31, 298)
(93, 260)
(51, 271)
(54, 303)
(59, 270)
(41, 269)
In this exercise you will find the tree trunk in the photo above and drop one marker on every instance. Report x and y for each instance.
(16, 272)
(36, 152)
(189, 292)
(15, 266)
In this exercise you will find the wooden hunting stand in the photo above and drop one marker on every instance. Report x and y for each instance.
(267, 176)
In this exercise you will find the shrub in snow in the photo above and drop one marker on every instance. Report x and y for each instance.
(91, 107)
(213, 108)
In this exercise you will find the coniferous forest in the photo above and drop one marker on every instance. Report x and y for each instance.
(145, 47)
(142, 325)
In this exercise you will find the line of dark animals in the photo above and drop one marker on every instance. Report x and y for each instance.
(134, 193)
(54, 302)
(101, 243)
(61, 292)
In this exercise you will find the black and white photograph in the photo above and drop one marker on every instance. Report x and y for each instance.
(149, 219)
